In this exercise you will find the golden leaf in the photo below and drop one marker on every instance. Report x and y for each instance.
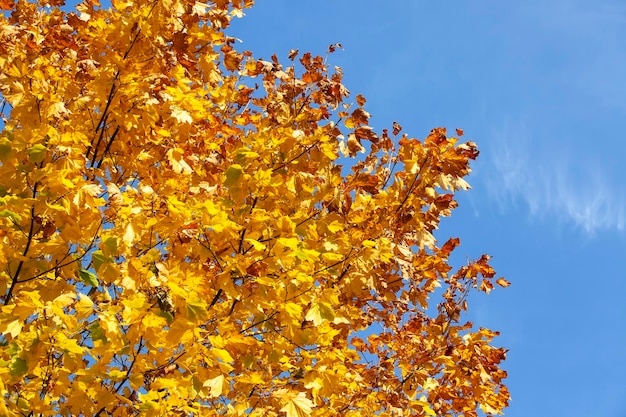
(181, 115)
(217, 385)
(13, 328)
(295, 405)
(129, 234)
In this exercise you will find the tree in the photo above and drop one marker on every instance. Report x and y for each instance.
(179, 237)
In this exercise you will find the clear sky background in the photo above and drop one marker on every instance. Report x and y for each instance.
(541, 87)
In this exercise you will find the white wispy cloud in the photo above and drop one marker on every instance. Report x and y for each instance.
(556, 186)
(560, 156)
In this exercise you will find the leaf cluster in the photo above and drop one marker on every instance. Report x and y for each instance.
(180, 236)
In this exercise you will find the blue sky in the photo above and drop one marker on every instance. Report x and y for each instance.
(541, 87)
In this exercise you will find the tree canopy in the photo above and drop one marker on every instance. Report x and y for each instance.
(190, 230)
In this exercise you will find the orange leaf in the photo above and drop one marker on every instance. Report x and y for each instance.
(396, 128)
(503, 282)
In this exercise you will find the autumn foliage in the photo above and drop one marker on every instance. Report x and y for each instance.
(189, 230)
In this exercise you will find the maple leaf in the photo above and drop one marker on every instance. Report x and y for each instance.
(181, 115)
(295, 406)
(13, 328)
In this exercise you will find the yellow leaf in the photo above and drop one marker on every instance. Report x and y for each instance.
(181, 115)
(294, 310)
(296, 406)
(369, 244)
(16, 94)
(64, 300)
(329, 150)
(429, 410)
(484, 376)
(335, 226)
(129, 235)
(200, 8)
(84, 306)
(319, 313)
(291, 242)
(332, 256)
(486, 408)
(179, 165)
(423, 403)
(68, 345)
(86, 195)
(4, 411)
(218, 385)
(117, 374)
(252, 378)
(57, 109)
(430, 384)
(13, 328)
(222, 354)
(257, 245)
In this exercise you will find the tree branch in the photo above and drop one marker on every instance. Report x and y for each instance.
(31, 229)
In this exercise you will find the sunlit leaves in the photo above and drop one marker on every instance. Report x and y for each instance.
(179, 236)
(181, 115)
(296, 405)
